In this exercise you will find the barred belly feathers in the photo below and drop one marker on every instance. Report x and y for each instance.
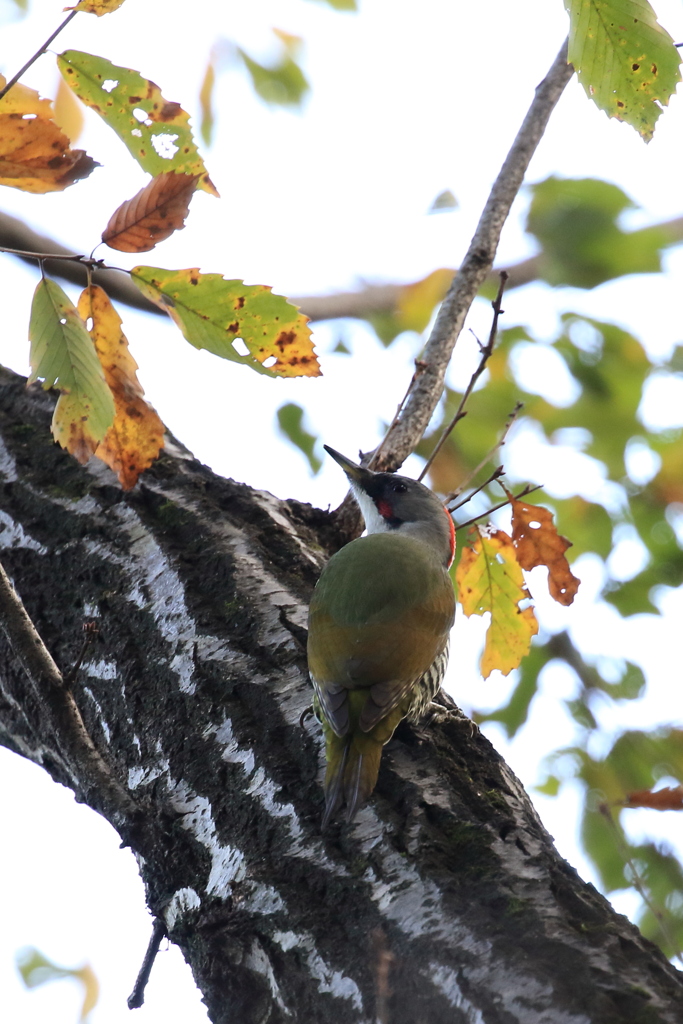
(379, 625)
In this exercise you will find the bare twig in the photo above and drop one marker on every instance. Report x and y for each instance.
(486, 353)
(522, 494)
(137, 996)
(427, 390)
(91, 773)
(90, 632)
(497, 473)
(37, 54)
(487, 458)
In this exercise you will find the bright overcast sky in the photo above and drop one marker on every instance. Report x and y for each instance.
(407, 100)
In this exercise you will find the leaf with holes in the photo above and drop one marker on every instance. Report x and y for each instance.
(35, 154)
(226, 316)
(537, 542)
(136, 436)
(63, 355)
(156, 131)
(159, 209)
(624, 59)
(489, 579)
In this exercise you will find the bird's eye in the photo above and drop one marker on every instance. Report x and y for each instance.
(399, 487)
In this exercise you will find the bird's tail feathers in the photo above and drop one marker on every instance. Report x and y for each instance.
(352, 769)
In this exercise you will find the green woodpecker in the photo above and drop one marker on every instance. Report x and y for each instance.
(378, 627)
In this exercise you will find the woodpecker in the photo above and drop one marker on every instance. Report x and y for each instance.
(378, 627)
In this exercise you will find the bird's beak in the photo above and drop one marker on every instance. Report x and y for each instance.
(355, 473)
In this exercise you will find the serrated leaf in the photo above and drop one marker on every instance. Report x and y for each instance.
(625, 60)
(98, 7)
(136, 436)
(213, 313)
(159, 209)
(63, 356)
(489, 579)
(35, 155)
(290, 421)
(537, 542)
(156, 131)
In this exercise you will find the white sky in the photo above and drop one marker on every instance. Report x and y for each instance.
(406, 101)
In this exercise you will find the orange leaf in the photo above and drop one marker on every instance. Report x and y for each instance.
(669, 799)
(136, 436)
(159, 209)
(489, 579)
(537, 542)
(34, 152)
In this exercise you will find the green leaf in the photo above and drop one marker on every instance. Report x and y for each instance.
(342, 5)
(156, 131)
(281, 84)
(208, 120)
(625, 60)
(290, 418)
(213, 313)
(35, 970)
(444, 202)
(576, 222)
(63, 356)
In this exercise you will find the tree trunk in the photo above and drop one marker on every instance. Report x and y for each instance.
(445, 901)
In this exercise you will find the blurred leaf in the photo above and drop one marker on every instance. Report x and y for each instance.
(63, 355)
(581, 713)
(156, 131)
(342, 5)
(576, 222)
(444, 202)
(514, 714)
(489, 579)
(98, 7)
(282, 83)
(551, 786)
(415, 306)
(158, 209)
(35, 970)
(136, 436)
(341, 348)
(625, 60)
(670, 798)
(35, 154)
(68, 111)
(290, 419)
(214, 313)
(207, 123)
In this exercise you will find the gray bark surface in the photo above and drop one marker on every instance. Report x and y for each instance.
(445, 901)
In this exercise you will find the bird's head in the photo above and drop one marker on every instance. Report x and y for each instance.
(391, 503)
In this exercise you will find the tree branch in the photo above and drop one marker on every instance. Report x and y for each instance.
(89, 769)
(428, 387)
(13, 81)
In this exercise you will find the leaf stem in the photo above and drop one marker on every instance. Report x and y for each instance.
(36, 55)
(522, 494)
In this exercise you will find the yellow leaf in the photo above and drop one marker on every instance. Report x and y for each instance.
(34, 153)
(98, 7)
(537, 542)
(136, 436)
(62, 354)
(489, 579)
(68, 111)
(418, 300)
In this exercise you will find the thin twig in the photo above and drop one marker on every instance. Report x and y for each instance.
(522, 494)
(426, 392)
(137, 996)
(637, 882)
(90, 771)
(87, 261)
(487, 458)
(90, 630)
(486, 353)
(419, 368)
(494, 476)
(37, 54)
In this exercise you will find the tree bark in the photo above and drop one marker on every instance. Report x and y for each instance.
(445, 901)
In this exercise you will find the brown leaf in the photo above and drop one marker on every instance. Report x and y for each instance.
(159, 209)
(34, 152)
(668, 799)
(537, 542)
(136, 436)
